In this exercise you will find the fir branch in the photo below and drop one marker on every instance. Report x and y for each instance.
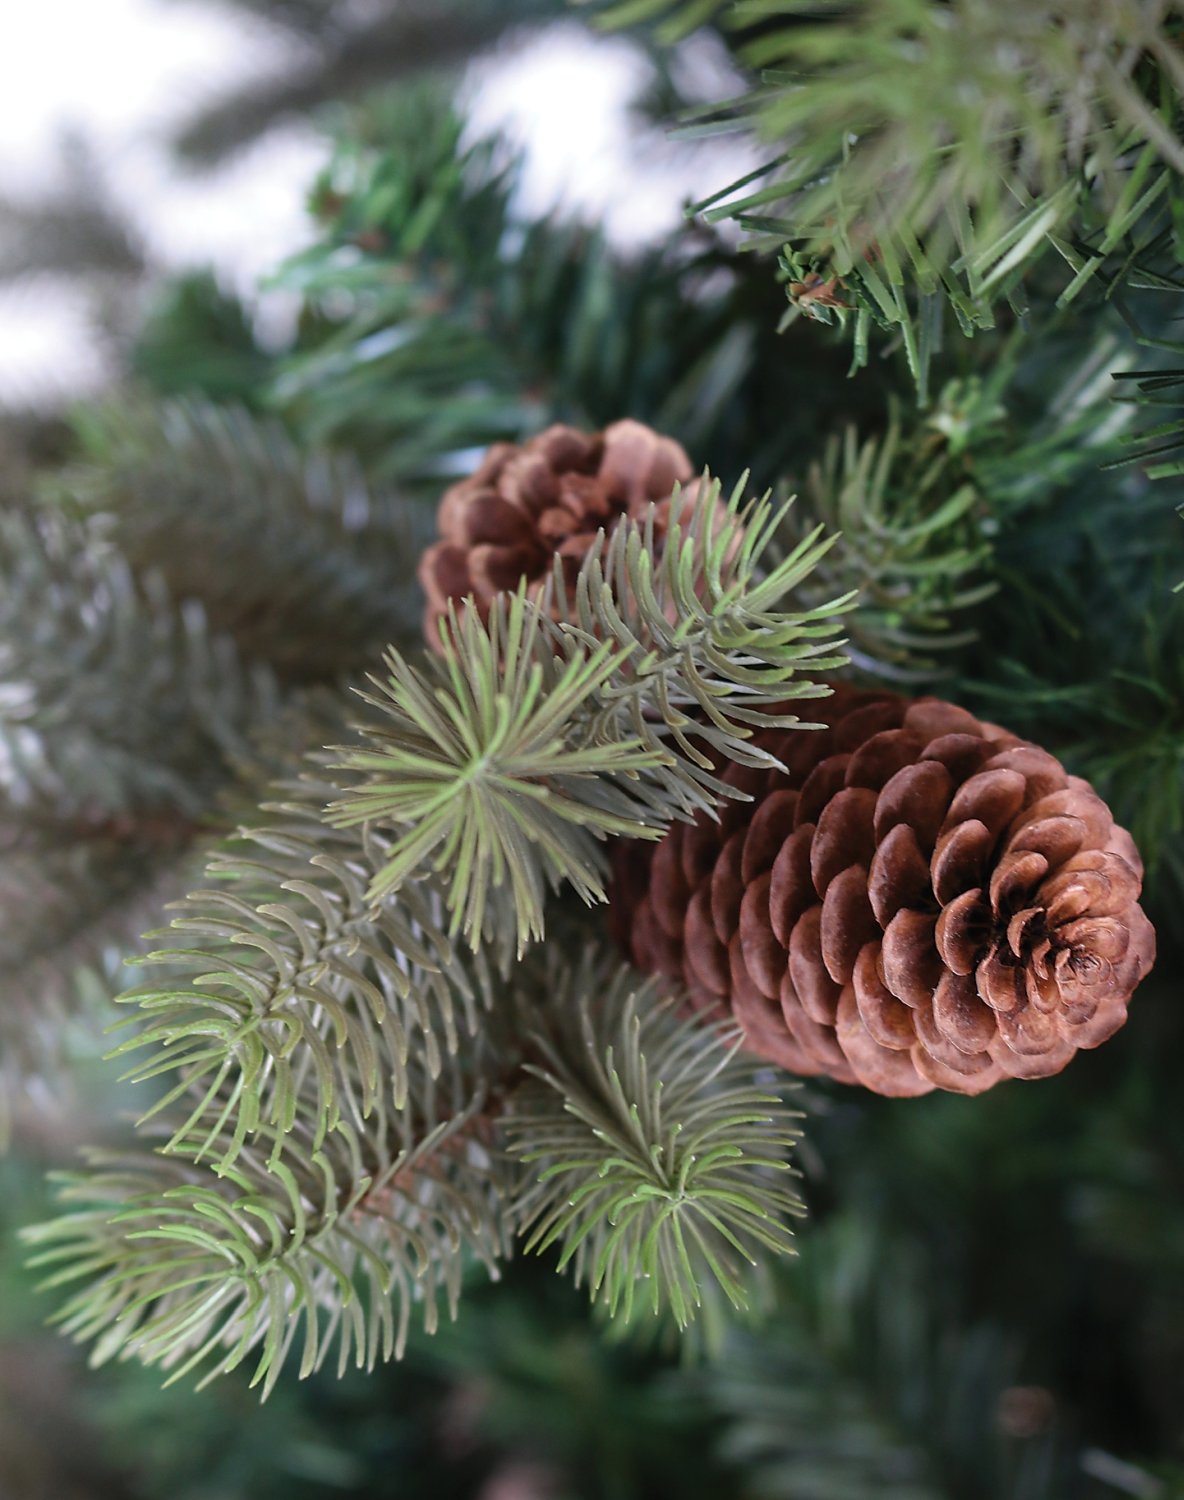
(922, 157)
(305, 995)
(478, 762)
(914, 533)
(657, 1161)
(78, 889)
(74, 902)
(310, 1245)
(121, 717)
(507, 759)
(115, 699)
(290, 553)
(711, 630)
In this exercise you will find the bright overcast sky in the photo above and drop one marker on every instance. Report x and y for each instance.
(123, 71)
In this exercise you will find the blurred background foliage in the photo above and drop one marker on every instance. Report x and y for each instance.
(987, 1301)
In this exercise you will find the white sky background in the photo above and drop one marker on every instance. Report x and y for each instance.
(123, 72)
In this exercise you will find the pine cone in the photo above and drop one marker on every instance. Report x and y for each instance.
(551, 496)
(918, 901)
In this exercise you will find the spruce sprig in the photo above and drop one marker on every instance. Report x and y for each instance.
(285, 988)
(715, 627)
(661, 1163)
(318, 1243)
(920, 157)
(914, 528)
(295, 1243)
(295, 553)
(507, 761)
(477, 766)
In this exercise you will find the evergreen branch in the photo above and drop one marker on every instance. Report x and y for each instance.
(1158, 448)
(322, 1243)
(197, 339)
(121, 717)
(78, 891)
(115, 699)
(441, 322)
(709, 642)
(657, 1161)
(477, 761)
(74, 901)
(305, 994)
(505, 761)
(912, 540)
(923, 156)
(289, 553)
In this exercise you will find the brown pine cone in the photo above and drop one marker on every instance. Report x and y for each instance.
(551, 496)
(918, 901)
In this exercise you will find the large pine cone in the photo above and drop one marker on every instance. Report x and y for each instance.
(552, 496)
(918, 901)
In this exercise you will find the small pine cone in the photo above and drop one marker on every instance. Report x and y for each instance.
(551, 496)
(918, 901)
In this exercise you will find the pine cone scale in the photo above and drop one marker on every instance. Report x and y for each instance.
(524, 506)
(918, 900)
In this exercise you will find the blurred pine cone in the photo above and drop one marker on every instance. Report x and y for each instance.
(918, 901)
(549, 497)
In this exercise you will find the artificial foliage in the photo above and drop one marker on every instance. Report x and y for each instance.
(1042, 130)
(381, 1069)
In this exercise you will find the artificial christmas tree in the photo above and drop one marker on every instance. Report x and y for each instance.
(387, 1044)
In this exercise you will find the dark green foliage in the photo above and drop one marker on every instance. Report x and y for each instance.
(438, 322)
(197, 340)
(914, 538)
(1157, 389)
(863, 1385)
(922, 157)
